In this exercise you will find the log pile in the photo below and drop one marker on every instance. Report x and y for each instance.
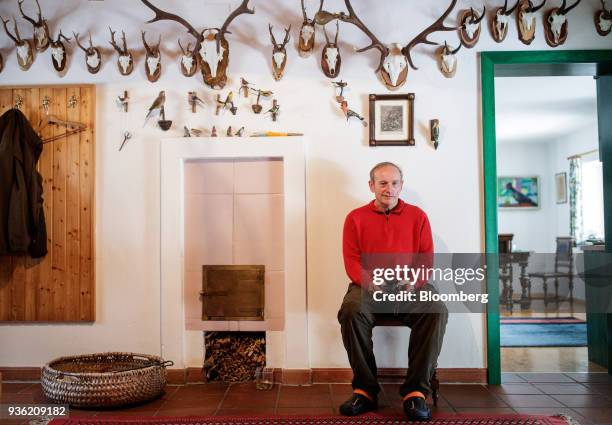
(233, 356)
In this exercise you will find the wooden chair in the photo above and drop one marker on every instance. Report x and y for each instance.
(434, 383)
(564, 268)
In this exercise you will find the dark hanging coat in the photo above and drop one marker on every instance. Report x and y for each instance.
(22, 219)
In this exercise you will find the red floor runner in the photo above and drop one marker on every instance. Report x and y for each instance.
(370, 419)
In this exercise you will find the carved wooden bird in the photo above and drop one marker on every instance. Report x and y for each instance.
(157, 105)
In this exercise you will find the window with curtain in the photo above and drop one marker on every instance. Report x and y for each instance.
(586, 198)
(592, 199)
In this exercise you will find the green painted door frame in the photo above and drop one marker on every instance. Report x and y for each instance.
(527, 63)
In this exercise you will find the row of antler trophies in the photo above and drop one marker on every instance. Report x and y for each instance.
(210, 52)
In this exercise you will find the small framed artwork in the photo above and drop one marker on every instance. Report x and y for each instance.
(517, 192)
(392, 119)
(561, 188)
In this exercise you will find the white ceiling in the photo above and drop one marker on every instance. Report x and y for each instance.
(540, 109)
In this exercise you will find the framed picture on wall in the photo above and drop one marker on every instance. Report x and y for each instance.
(392, 119)
(561, 188)
(518, 192)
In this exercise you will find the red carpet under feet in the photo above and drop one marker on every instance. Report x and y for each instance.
(369, 419)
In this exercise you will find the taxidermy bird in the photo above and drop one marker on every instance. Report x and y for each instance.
(157, 106)
(348, 113)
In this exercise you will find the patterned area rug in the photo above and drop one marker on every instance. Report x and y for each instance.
(533, 320)
(439, 419)
(543, 332)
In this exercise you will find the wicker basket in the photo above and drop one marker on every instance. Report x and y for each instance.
(104, 379)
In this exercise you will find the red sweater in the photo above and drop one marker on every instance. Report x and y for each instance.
(367, 230)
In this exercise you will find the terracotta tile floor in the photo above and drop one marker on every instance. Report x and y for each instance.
(587, 397)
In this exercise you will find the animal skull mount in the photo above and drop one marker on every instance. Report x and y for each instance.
(125, 60)
(41, 30)
(59, 54)
(330, 56)
(306, 42)
(500, 22)
(93, 56)
(211, 44)
(394, 59)
(556, 24)
(603, 20)
(447, 60)
(25, 48)
(526, 20)
(189, 60)
(279, 53)
(153, 59)
(469, 31)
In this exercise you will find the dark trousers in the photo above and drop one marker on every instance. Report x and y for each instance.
(427, 321)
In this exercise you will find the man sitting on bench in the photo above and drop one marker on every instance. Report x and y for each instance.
(388, 225)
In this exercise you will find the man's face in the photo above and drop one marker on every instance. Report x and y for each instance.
(386, 186)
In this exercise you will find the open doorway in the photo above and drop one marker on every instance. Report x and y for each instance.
(549, 208)
(585, 63)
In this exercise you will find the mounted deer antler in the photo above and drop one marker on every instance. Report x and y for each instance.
(93, 56)
(25, 49)
(448, 60)
(469, 31)
(213, 51)
(153, 58)
(526, 21)
(125, 60)
(556, 24)
(189, 62)
(393, 61)
(279, 53)
(307, 33)
(330, 56)
(603, 20)
(499, 23)
(322, 17)
(438, 25)
(41, 30)
(58, 52)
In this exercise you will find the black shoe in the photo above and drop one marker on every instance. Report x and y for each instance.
(416, 409)
(357, 404)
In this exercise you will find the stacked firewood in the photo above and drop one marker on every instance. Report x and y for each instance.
(233, 356)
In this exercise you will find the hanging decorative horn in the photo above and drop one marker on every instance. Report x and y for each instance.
(153, 59)
(447, 60)
(500, 22)
(556, 24)
(1, 62)
(93, 56)
(330, 56)
(125, 60)
(279, 53)
(59, 53)
(526, 20)
(306, 42)
(469, 31)
(25, 48)
(41, 30)
(189, 62)
(603, 20)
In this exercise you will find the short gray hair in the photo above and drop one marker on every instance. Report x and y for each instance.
(385, 164)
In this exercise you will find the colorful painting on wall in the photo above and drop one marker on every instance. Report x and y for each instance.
(518, 192)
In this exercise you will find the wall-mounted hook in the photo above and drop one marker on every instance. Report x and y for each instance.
(72, 102)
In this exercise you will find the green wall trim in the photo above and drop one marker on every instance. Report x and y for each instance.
(488, 60)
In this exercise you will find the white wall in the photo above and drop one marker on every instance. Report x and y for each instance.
(533, 229)
(446, 183)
